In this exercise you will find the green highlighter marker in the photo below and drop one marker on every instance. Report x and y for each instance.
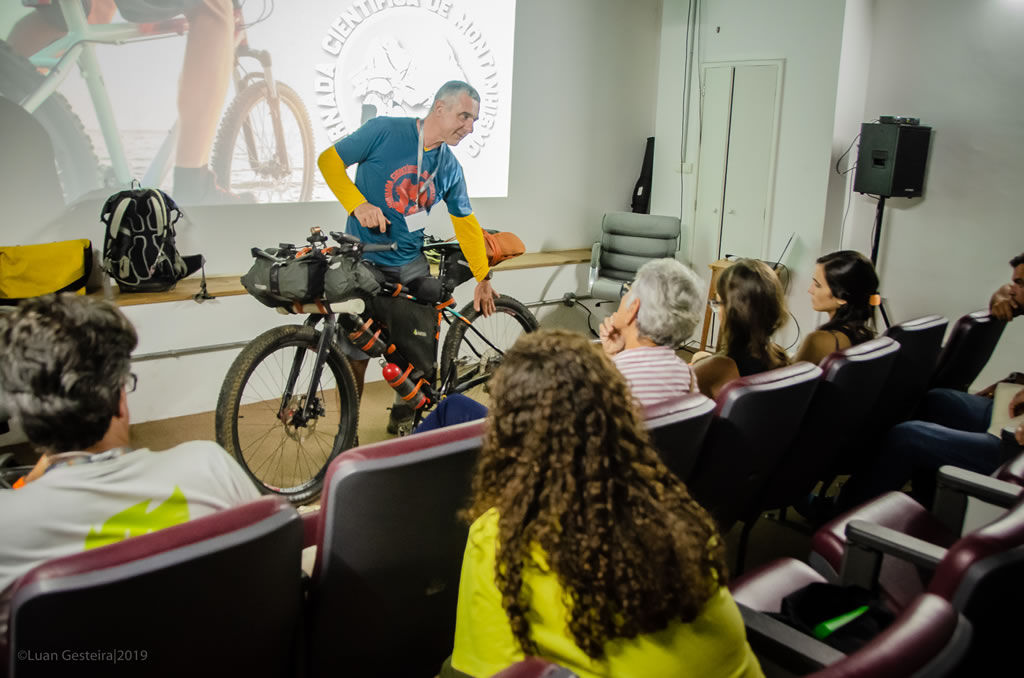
(830, 626)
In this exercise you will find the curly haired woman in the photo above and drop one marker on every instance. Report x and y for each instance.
(584, 549)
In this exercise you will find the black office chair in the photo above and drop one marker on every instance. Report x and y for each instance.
(967, 350)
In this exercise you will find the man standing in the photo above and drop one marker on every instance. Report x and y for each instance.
(65, 372)
(404, 169)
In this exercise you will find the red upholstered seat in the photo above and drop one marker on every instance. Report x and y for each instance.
(678, 427)
(223, 592)
(968, 348)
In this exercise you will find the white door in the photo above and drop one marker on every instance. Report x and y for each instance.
(737, 158)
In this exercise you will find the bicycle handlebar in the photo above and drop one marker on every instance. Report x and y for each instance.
(345, 238)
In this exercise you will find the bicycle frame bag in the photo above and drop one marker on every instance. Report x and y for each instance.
(33, 270)
(138, 245)
(413, 329)
(282, 278)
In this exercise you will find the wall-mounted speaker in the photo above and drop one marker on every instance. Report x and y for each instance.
(891, 160)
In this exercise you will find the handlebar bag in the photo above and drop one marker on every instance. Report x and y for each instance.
(285, 281)
(346, 278)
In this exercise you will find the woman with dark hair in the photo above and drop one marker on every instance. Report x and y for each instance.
(753, 308)
(845, 286)
(584, 549)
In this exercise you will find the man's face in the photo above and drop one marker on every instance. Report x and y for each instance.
(1018, 285)
(456, 117)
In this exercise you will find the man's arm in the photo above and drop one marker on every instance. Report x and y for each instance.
(333, 169)
(470, 235)
(1002, 304)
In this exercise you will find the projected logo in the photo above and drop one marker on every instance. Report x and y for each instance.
(388, 57)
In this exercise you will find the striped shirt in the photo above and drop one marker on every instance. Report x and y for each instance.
(655, 373)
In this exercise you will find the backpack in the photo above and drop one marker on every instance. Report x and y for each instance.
(138, 243)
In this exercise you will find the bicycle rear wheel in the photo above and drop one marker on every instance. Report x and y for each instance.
(471, 357)
(246, 157)
(257, 425)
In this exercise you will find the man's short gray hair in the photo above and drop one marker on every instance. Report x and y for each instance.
(63, 361)
(454, 88)
(671, 300)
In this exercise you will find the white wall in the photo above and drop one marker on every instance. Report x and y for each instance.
(583, 106)
(807, 34)
(957, 66)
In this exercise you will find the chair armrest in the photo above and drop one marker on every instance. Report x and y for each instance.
(868, 542)
(783, 645)
(986, 488)
(595, 262)
(954, 486)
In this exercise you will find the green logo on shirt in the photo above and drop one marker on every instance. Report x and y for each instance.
(134, 521)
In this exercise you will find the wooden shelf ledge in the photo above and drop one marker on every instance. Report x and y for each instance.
(230, 285)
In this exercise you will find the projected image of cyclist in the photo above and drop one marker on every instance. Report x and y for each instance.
(206, 70)
(404, 169)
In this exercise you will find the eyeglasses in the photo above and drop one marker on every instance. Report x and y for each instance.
(626, 287)
(130, 382)
(715, 304)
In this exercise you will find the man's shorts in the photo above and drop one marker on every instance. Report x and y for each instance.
(404, 274)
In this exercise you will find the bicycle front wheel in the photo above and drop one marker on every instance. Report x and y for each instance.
(248, 157)
(473, 350)
(259, 413)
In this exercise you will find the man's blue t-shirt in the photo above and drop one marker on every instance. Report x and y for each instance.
(385, 150)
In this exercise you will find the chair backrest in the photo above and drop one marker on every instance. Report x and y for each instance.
(929, 639)
(220, 594)
(849, 387)
(678, 427)
(967, 350)
(385, 587)
(920, 341)
(628, 241)
(756, 419)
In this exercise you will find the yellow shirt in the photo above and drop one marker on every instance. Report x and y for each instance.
(714, 644)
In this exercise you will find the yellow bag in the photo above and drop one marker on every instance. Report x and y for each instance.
(34, 270)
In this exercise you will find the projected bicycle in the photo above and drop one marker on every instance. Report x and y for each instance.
(264, 144)
(288, 404)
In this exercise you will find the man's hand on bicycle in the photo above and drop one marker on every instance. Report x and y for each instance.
(370, 216)
(483, 298)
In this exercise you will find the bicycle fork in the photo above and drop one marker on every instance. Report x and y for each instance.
(273, 101)
(311, 406)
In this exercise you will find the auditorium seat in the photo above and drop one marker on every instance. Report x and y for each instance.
(756, 420)
(847, 390)
(928, 638)
(219, 595)
(968, 348)
(678, 427)
(385, 584)
(920, 342)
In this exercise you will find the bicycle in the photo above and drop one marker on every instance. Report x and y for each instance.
(284, 417)
(264, 144)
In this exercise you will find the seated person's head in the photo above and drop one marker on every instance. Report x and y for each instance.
(567, 463)
(64, 363)
(663, 304)
(845, 286)
(754, 308)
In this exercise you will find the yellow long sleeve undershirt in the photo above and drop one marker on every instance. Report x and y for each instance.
(468, 231)
(333, 169)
